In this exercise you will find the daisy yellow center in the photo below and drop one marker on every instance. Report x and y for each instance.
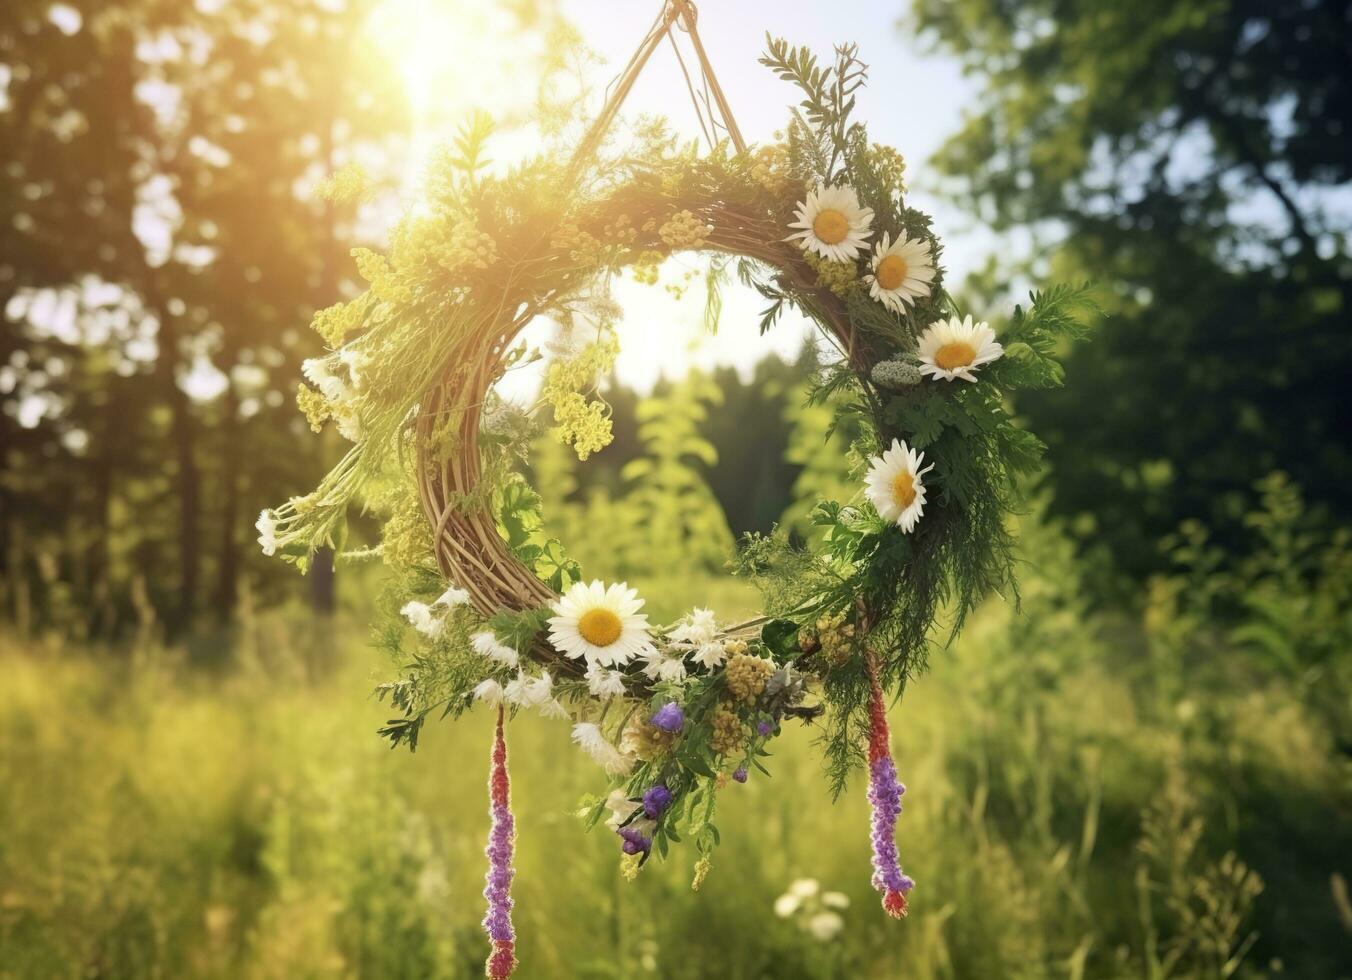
(600, 627)
(831, 226)
(954, 355)
(892, 272)
(903, 490)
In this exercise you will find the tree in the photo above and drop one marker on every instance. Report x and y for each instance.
(1186, 158)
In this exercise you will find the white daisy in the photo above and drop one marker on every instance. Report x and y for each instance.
(490, 692)
(833, 224)
(588, 736)
(604, 683)
(487, 645)
(902, 272)
(955, 348)
(423, 619)
(895, 486)
(600, 624)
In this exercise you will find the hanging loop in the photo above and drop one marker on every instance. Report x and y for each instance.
(683, 14)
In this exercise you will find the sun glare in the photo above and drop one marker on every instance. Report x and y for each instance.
(452, 57)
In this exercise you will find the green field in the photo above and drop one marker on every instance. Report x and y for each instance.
(1082, 803)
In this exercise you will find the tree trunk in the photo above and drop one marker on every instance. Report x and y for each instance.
(187, 479)
(227, 588)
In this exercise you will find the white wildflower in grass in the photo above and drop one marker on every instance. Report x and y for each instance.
(590, 739)
(599, 624)
(835, 900)
(824, 925)
(951, 349)
(786, 905)
(902, 272)
(814, 911)
(603, 683)
(423, 619)
(895, 485)
(489, 692)
(487, 645)
(832, 222)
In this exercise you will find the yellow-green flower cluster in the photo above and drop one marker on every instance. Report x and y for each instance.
(386, 284)
(335, 322)
(727, 734)
(467, 248)
(344, 186)
(406, 537)
(646, 267)
(746, 676)
(835, 276)
(645, 740)
(578, 245)
(684, 231)
(702, 867)
(771, 168)
(836, 638)
(621, 230)
(583, 424)
(314, 406)
(890, 164)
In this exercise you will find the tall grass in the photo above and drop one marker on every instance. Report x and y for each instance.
(1067, 816)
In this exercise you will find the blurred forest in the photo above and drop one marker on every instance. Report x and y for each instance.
(1148, 774)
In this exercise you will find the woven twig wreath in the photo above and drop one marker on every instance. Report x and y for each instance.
(819, 222)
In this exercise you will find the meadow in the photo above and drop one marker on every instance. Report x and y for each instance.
(1087, 798)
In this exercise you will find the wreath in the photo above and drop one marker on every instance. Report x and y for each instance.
(817, 221)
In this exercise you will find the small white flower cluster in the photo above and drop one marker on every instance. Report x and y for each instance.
(340, 392)
(276, 527)
(523, 692)
(816, 912)
(694, 637)
(592, 741)
(429, 619)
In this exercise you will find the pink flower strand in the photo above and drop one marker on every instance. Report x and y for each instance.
(498, 882)
(884, 794)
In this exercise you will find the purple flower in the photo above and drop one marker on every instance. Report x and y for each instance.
(739, 774)
(669, 717)
(497, 921)
(634, 841)
(655, 800)
(765, 727)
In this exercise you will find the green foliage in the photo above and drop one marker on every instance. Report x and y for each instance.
(1065, 817)
(684, 523)
(1186, 158)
